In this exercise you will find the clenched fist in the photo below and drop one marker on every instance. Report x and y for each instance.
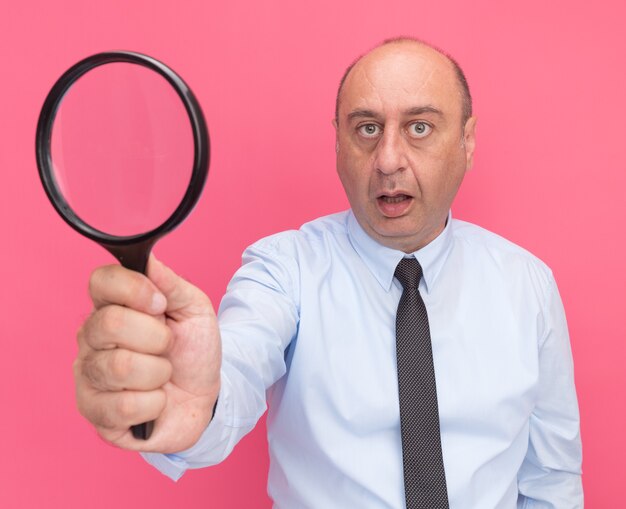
(150, 351)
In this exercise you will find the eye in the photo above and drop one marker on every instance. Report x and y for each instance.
(369, 130)
(419, 129)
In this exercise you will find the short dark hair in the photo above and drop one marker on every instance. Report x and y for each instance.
(466, 96)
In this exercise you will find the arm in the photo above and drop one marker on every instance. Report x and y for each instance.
(258, 317)
(550, 474)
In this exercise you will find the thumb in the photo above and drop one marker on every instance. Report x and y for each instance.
(184, 300)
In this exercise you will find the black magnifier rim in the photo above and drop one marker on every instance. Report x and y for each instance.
(44, 138)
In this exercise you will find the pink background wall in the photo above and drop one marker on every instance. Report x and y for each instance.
(549, 84)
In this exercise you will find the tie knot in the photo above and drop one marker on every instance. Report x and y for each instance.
(409, 272)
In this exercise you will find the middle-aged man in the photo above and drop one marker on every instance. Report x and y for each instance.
(407, 357)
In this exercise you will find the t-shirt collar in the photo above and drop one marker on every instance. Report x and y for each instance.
(382, 261)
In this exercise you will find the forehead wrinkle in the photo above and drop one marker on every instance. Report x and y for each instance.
(426, 81)
(364, 100)
(372, 87)
(422, 81)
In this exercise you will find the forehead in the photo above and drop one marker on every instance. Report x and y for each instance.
(399, 77)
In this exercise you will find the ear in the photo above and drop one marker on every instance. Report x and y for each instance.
(469, 141)
(336, 134)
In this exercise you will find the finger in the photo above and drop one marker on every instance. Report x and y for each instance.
(184, 300)
(120, 369)
(121, 327)
(118, 411)
(114, 284)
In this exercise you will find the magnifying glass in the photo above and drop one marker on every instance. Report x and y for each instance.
(123, 154)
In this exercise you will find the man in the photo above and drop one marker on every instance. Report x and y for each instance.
(312, 322)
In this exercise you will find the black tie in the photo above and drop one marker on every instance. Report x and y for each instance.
(424, 475)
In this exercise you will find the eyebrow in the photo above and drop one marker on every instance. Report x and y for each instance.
(424, 109)
(419, 110)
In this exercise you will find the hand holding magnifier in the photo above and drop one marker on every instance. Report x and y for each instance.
(123, 154)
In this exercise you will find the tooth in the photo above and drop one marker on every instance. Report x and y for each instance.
(394, 199)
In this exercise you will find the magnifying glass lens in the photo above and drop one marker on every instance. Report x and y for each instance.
(122, 149)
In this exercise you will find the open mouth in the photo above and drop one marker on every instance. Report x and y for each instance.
(394, 199)
(394, 206)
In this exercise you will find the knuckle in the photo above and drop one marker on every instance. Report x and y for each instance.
(135, 285)
(93, 284)
(120, 364)
(139, 291)
(111, 319)
(84, 335)
(108, 434)
(102, 416)
(80, 335)
(97, 279)
(84, 409)
(89, 371)
(84, 403)
(125, 405)
(77, 367)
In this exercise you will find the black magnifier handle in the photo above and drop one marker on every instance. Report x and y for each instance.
(142, 431)
(135, 257)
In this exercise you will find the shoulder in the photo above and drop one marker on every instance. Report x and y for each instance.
(493, 251)
(311, 235)
(277, 261)
(480, 239)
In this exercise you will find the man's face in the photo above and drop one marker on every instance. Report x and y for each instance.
(402, 150)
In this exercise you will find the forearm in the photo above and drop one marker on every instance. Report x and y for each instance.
(257, 318)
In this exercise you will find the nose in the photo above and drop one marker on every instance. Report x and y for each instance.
(391, 153)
